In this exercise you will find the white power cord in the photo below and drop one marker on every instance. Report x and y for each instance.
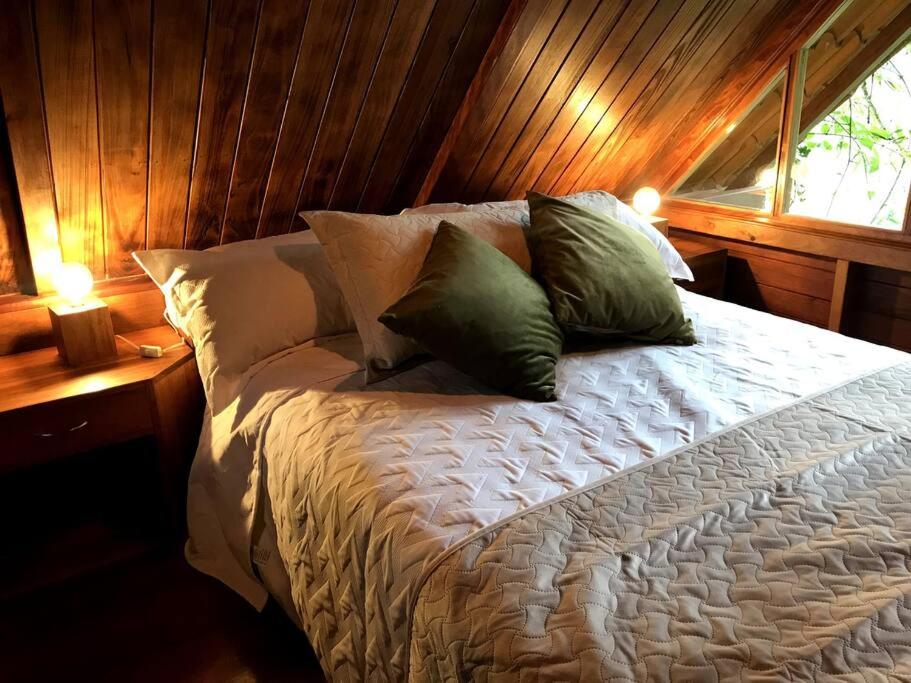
(149, 350)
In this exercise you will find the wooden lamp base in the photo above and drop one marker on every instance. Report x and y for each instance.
(84, 334)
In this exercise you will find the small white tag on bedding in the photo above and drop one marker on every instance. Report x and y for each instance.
(261, 555)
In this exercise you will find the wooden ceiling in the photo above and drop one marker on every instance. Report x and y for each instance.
(617, 95)
(171, 123)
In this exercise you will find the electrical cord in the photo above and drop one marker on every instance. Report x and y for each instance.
(149, 350)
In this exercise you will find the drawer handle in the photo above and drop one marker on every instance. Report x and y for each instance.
(76, 428)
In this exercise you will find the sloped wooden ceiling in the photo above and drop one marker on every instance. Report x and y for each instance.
(617, 95)
(169, 123)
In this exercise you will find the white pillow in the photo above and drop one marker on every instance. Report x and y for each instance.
(599, 200)
(242, 302)
(376, 259)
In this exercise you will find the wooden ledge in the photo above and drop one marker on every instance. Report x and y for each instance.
(842, 241)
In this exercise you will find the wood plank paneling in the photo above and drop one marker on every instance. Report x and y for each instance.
(366, 36)
(409, 22)
(14, 265)
(528, 37)
(555, 61)
(275, 54)
(229, 47)
(157, 123)
(179, 33)
(23, 105)
(122, 37)
(638, 59)
(67, 58)
(532, 151)
(166, 124)
(777, 281)
(446, 26)
(324, 35)
(575, 105)
(880, 309)
(446, 100)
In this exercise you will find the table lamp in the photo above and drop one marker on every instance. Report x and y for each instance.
(82, 325)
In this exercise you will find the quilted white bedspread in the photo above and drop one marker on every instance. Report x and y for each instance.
(367, 486)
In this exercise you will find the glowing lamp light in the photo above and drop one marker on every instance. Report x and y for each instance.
(646, 201)
(73, 281)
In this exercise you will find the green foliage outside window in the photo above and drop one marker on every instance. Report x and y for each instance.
(854, 164)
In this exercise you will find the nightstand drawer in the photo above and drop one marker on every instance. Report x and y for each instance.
(55, 430)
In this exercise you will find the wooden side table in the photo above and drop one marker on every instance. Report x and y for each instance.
(50, 412)
(708, 263)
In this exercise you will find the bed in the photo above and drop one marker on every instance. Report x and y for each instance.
(734, 508)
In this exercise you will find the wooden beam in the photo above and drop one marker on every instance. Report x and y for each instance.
(789, 130)
(839, 290)
(873, 55)
(876, 247)
(513, 12)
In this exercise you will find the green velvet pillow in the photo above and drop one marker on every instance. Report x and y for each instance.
(474, 308)
(602, 277)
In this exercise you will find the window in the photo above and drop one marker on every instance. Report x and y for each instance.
(853, 159)
(740, 170)
(846, 157)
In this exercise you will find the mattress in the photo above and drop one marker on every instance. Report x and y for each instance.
(338, 498)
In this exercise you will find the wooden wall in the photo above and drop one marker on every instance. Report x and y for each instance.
(779, 281)
(879, 306)
(171, 123)
(188, 123)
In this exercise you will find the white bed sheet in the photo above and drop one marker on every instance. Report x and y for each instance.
(464, 459)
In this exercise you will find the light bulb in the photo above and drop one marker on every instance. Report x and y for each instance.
(646, 201)
(73, 281)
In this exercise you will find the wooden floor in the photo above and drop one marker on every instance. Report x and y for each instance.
(155, 619)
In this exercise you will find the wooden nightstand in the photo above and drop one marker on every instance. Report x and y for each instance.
(52, 416)
(708, 263)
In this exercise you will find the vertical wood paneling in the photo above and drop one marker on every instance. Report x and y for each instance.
(446, 25)
(637, 64)
(674, 81)
(277, 45)
(14, 267)
(444, 105)
(178, 43)
(185, 124)
(324, 35)
(20, 87)
(405, 32)
(67, 61)
(229, 46)
(366, 36)
(122, 37)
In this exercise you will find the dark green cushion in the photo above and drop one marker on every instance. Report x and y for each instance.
(474, 308)
(603, 277)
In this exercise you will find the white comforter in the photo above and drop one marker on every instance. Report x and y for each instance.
(366, 486)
